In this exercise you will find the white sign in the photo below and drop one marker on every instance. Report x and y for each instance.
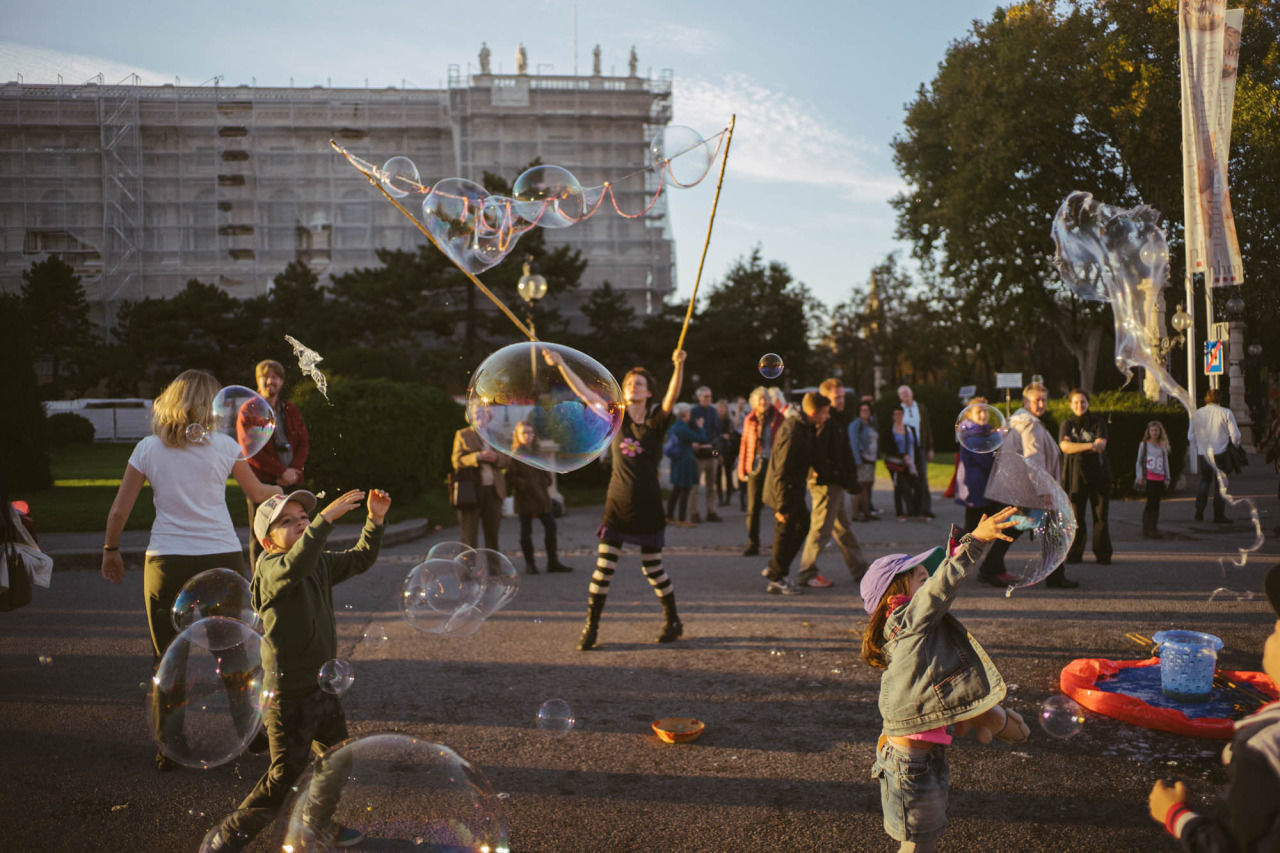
(1220, 331)
(967, 391)
(1009, 380)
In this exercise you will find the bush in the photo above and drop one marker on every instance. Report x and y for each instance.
(24, 458)
(66, 428)
(376, 433)
(1127, 414)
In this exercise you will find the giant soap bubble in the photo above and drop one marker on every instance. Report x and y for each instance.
(683, 153)
(401, 793)
(435, 590)
(562, 405)
(549, 196)
(455, 214)
(207, 697)
(244, 415)
(980, 428)
(1043, 509)
(215, 592)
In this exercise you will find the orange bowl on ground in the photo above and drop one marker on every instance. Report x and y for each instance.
(678, 729)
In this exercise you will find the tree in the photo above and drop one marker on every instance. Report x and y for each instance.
(612, 339)
(56, 315)
(24, 460)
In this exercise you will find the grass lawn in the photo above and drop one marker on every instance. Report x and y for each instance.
(86, 477)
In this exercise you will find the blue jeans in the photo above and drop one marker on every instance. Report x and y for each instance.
(1207, 486)
(913, 791)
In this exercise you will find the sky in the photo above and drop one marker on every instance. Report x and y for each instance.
(818, 90)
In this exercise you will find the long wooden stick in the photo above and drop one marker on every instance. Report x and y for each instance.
(528, 333)
(706, 243)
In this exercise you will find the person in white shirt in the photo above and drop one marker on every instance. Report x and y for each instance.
(915, 416)
(1212, 428)
(192, 531)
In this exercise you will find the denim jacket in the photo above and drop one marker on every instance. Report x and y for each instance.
(937, 673)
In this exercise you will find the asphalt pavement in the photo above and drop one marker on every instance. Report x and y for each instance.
(789, 707)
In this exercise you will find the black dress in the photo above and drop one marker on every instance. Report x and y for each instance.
(633, 506)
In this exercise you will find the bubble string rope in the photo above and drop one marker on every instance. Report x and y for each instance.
(509, 227)
(693, 298)
(370, 172)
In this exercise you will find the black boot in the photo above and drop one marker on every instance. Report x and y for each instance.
(553, 556)
(1149, 525)
(587, 641)
(529, 565)
(672, 629)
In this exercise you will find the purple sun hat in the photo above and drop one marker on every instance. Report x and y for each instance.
(882, 572)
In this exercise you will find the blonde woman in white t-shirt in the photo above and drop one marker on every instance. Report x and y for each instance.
(192, 531)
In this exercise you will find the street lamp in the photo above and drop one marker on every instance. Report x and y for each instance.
(531, 287)
(1181, 321)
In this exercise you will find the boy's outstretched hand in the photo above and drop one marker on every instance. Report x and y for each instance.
(342, 505)
(1163, 796)
(992, 527)
(379, 503)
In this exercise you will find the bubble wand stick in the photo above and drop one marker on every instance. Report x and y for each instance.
(486, 291)
(711, 224)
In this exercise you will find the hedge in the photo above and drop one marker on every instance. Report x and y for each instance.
(378, 433)
(65, 428)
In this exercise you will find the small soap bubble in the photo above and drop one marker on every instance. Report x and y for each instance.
(214, 592)
(684, 154)
(336, 676)
(1061, 717)
(546, 405)
(242, 414)
(195, 433)
(375, 637)
(555, 718)
(980, 428)
(400, 177)
(771, 365)
(448, 550)
(549, 196)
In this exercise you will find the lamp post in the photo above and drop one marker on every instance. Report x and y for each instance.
(532, 287)
(1235, 360)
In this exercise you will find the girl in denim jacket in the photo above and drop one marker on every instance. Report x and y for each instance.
(935, 675)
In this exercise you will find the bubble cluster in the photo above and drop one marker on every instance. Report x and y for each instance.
(771, 365)
(477, 229)
(336, 676)
(215, 592)
(1044, 510)
(547, 405)
(980, 428)
(402, 793)
(207, 696)
(1061, 717)
(555, 718)
(242, 414)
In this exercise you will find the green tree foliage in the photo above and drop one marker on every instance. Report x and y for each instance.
(613, 328)
(56, 315)
(24, 459)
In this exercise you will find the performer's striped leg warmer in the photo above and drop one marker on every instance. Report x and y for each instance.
(606, 564)
(651, 563)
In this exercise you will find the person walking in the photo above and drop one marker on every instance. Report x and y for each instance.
(1152, 475)
(864, 443)
(758, 431)
(832, 474)
(784, 489)
(1212, 428)
(916, 416)
(283, 458)
(1086, 476)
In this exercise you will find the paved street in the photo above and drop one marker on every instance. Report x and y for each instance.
(790, 708)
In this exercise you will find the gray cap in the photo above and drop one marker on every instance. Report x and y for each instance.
(270, 509)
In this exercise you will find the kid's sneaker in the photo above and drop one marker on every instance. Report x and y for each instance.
(783, 587)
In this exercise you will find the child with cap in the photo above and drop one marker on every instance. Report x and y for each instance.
(1250, 817)
(935, 674)
(293, 594)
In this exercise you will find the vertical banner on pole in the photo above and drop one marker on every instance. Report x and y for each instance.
(1210, 39)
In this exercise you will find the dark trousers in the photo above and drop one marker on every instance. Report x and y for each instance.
(993, 564)
(548, 531)
(679, 502)
(488, 514)
(755, 504)
(163, 577)
(906, 493)
(1151, 512)
(1100, 500)
(924, 501)
(724, 479)
(255, 547)
(788, 539)
(1209, 484)
(294, 721)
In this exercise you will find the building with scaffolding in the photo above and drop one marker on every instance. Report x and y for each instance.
(143, 188)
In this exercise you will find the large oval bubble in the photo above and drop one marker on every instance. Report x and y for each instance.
(399, 793)
(434, 590)
(683, 153)
(206, 696)
(547, 405)
(215, 592)
(549, 196)
(243, 414)
(452, 212)
(1043, 508)
(980, 428)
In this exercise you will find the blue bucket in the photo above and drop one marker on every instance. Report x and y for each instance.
(1187, 662)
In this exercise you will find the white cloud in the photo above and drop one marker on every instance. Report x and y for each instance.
(781, 139)
(42, 65)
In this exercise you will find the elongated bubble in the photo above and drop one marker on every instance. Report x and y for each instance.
(1043, 509)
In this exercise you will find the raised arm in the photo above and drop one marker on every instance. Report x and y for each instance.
(572, 379)
(677, 380)
(256, 490)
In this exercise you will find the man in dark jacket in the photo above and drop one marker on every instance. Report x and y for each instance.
(784, 488)
(833, 475)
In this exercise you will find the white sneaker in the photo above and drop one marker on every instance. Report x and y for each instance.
(783, 587)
